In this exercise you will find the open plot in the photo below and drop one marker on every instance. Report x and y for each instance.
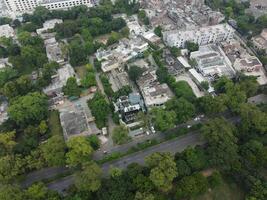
(196, 90)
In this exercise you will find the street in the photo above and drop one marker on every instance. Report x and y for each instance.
(172, 146)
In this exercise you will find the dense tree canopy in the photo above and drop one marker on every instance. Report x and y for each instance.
(29, 109)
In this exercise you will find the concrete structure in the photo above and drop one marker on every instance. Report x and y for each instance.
(129, 106)
(118, 79)
(73, 122)
(7, 31)
(4, 63)
(249, 64)
(49, 24)
(53, 51)
(260, 41)
(212, 62)
(201, 36)
(121, 53)
(257, 7)
(59, 80)
(18, 7)
(3, 110)
(156, 94)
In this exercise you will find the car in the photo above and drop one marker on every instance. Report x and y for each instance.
(189, 126)
(196, 118)
(147, 132)
(152, 129)
(105, 152)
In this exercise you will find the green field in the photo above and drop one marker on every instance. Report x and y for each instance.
(226, 191)
(54, 124)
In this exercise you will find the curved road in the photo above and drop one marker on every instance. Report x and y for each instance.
(172, 146)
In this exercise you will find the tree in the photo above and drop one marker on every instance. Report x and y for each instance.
(8, 192)
(191, 46)
(222, 143)
(10, 167)
(94, 141)
(175, 51)
(114, 38)
(89, 179)
(88, 80)
(143, 196)
(212, 105)
(37, 191)
(183, 89)
(163, 170)
(163, 119)
(53, 151)
(135, 72)
(191, 186)
(158, 31)
(195, 158)
(120, 135)
(71, 88)
(29, 109)
(100, 109)
(253, 121)
(115, 172)
(7, 143)
(79, 152)
(205, 85)
(254, 154)
(184, 110)
(215, 179)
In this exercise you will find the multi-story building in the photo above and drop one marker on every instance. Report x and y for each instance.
(201, 36)
(18, 7)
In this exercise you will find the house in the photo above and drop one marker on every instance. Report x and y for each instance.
(129, 106)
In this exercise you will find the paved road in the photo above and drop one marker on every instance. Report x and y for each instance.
(172, 146)
(43, 174)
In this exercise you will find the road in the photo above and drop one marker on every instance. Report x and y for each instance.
(172, 146)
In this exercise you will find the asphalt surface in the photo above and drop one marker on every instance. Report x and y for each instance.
(42, 174)
(172, 146)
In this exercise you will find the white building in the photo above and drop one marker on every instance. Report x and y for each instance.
(120, 53)
(18, 7)
(201, 36)
(59, 79)
(212, 62)
(6, 31)
(156, 94)
(49, 24)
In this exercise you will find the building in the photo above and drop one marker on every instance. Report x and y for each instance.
(201, 36)
(49, 24)
(129, 106)
(18, 7)
(249, 64)
(147, 78)
(260, 41)
(156, 94)
(3, 109)
(53, 51)
(7, 31)
(118, 79)
(59, 80)
(73, 122)
(4, 63)
(212, 62)
(257, 7)
(121, 53)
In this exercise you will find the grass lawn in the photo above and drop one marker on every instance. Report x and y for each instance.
(81, 71)
(227, 191)
(54, 124)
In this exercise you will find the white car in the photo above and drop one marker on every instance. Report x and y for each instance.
(152, 129)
